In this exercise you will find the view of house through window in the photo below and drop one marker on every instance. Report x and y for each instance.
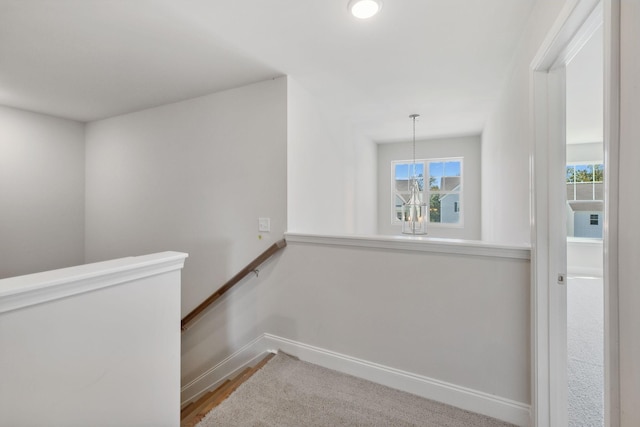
(585, 206)
(442, 194)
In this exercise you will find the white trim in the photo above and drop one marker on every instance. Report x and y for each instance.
(586, 163)
(568, 23)
(610, 229)
(415, 243)
(576, 18)
(557, 229)
(23, 291)
(586, 241)
(430, 388)
(227, 368)
(583, 34)
(573, 271)
(540, 381)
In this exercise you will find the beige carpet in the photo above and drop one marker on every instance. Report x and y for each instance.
(585, 348)
(287, 392)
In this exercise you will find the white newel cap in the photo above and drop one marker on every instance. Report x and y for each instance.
(23, 291)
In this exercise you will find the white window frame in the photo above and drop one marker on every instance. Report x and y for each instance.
(427, 190)
(574, 164)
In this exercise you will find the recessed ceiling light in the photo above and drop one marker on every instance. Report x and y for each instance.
(364, 9)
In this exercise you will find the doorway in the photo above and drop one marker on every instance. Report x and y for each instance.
(576, 24)
(584, 217)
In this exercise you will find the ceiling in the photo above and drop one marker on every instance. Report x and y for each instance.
(92, 59)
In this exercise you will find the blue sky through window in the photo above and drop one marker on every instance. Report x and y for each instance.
(438, 170)
(452, 169)
(403, 170)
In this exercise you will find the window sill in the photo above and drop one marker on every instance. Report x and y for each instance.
(416, 243)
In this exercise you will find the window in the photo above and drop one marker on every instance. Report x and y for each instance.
(585, 181)
(402, 172)
(442, 194)
(585, 193)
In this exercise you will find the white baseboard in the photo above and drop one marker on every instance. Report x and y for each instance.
(228, 368)
(465, 398)
(584, 271)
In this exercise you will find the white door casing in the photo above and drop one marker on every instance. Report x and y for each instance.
(576, 23)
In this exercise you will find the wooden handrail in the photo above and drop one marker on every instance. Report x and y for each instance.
(252, 266)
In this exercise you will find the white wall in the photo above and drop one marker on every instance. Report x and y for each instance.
(467, 147)
(584, 257)
(364, 156)
(193, 176)
(506, 140)
(41, 192)
(331, 170)
(587, 152)
(629, 212)
(93, 345)
(439, 321)
(585, 92)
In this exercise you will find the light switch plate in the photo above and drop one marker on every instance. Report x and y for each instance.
(264, 224)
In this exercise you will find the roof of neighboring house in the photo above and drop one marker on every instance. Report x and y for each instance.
(586, 205)
(449, 183)
(455, 194)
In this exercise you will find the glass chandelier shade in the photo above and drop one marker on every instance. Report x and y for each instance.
(415, 209)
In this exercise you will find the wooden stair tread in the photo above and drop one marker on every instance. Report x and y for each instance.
(263, 362)
(194, 406)
(214, 399)
(194, 412)
(186, 409)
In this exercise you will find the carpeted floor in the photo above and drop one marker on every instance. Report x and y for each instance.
(290, 393)
(585, 348)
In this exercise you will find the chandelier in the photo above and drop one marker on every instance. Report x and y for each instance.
(414, 210)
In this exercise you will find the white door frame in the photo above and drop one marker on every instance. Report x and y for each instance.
(547, 80)
(611, 180)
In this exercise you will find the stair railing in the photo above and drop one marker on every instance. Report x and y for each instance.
(251, 267)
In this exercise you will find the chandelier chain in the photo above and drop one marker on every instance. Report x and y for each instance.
(414, 116)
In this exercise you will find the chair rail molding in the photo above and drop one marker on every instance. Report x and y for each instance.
(419, 244)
